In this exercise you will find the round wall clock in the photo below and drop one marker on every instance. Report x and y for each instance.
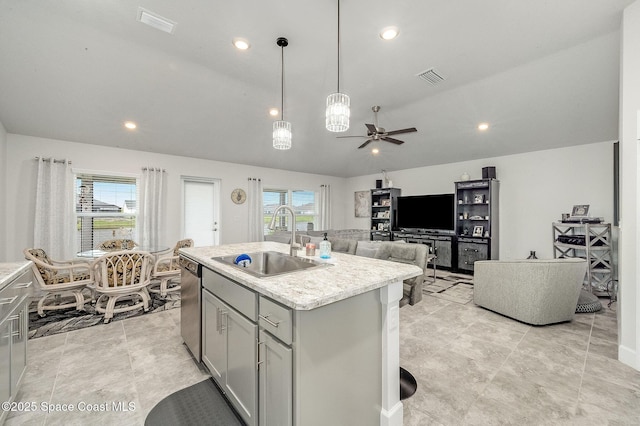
(238, 196)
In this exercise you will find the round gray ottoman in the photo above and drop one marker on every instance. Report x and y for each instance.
(587, 302)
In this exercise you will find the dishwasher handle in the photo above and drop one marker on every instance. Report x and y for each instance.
(189, 266)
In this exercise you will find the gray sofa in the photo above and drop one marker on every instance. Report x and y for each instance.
(532, 291)
(303, 237)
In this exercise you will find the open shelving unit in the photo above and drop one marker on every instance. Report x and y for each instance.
(384, 204)
(476, 221)
(590, 241)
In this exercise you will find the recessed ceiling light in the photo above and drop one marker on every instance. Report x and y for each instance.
(375, 151)
(130, 125)
(483, 126)
(274, 112)
(389, 33)
(156, 21)
(241, 43)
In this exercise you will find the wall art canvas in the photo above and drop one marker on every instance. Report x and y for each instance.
(362, 202)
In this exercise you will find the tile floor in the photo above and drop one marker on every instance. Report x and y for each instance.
(473, 367)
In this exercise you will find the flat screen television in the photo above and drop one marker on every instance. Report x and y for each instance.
(427, 212)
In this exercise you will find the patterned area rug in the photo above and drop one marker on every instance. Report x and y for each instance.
(456, 288)
(69, 319)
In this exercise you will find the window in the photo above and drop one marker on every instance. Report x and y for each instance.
(302, 202)
(105, 208)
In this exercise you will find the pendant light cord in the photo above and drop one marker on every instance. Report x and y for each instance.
(282, 83)
(338, 46)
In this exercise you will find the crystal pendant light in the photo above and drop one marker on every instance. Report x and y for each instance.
(281, 128)
(338, 104)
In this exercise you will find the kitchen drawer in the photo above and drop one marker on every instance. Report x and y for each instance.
(15, 292)
(242, 299)
(276, 319)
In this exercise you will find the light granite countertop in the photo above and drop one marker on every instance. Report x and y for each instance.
(347, 276)
(11, 270)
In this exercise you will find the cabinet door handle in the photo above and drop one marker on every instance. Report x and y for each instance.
(8, 300)
(223, 322)
(23, 285)
(12, 318)
(258, 343)
(271, 323)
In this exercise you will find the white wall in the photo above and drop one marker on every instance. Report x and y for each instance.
(535, 189)
(21, 167)
(628, 318)
(3, 190)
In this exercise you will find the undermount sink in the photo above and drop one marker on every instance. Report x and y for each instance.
(270, 263)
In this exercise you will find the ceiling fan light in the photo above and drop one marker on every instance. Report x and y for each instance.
(281, 134)
(338, 112)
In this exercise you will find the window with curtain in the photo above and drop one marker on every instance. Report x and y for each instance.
(106, 208)
(303, 202)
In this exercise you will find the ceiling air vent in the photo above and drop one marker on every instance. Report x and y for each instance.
(156, 21)
(431, 75)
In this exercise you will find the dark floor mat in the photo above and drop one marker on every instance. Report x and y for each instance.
(199, 404)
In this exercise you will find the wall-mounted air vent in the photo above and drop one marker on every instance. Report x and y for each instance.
(156, 21)
(431, 75)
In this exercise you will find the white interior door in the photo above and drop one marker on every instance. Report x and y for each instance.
(201, 210)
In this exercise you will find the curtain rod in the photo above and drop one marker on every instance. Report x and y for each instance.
(258, 179)
(52, 159)
(154, 169)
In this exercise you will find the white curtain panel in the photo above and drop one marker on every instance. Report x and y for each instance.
(151, 214)
(256, 221)
(325, 207)
(54, 226)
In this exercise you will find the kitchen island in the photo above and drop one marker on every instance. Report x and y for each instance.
(315, 346)
(15, 282)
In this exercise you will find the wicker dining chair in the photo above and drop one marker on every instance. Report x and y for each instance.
(166, 271)
(117, 244)
(122, 276)
(59, 279)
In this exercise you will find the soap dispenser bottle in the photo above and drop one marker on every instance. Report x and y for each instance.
(325, 248)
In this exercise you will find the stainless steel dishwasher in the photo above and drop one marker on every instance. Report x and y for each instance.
(190, 310)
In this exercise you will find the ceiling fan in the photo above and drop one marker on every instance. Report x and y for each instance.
(375, 133)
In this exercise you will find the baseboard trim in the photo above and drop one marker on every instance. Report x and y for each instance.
(629, 357)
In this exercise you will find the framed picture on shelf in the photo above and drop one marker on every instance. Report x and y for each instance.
(477, 231)
(581, 210)
(386, 202)
(478, 198)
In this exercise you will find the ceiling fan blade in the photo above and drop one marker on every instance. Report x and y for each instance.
(392, 140)
(365, 144)
(371, 128)
(397, 132)
(342, 137)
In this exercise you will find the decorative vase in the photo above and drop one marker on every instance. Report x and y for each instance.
(465, 176)
(532, 255)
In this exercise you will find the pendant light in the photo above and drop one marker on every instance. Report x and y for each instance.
(337, 113)
(281, 128)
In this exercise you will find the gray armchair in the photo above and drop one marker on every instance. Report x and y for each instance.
(532, 291)
(414, 254)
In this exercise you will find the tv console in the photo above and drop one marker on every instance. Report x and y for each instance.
(442, 244)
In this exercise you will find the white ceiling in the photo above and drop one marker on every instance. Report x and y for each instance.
(544, 74)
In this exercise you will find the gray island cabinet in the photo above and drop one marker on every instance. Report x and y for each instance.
(15, 281)
(312, 347)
